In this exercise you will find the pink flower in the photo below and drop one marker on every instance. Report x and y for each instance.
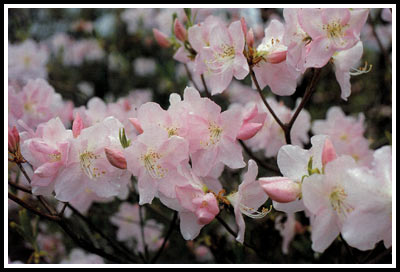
(155, 158)
(374, 195)
(13, 139)
(331, 30)
(87, 166)
(346, 134)
(249, 197)
(48, 154)
(212, 134)
(330, 198)
(274, 70)
(224, 57)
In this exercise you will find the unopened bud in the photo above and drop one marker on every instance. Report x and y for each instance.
(248, 130)
(13, 139)
(115, 157)
(276, 57)
(180, 31)
(250, 38)
(328, 152)
(244, 25)
(281, 189)
(77, 125)
(161, 38)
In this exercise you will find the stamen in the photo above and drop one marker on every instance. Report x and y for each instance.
(150, 163)
(338, 201)
(86, 159)
(253, 213)
(362, 70)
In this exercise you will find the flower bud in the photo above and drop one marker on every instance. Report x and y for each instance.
(328, 152)
(77, 125)
(250, 38)
(276, 57)
(248, 130)
(180, 31)
(244, 25)
(13, 139)
(115, 157)
(161, 38)
(206, 208)
(280, 189)
(136, 124)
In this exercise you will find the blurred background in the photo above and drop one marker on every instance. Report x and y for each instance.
(111, 53)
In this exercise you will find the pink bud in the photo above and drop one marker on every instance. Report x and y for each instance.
(244, 25)
(13, 139)
(77, 125)
(276, 57)
(328, 152)
(136, 124)
(206, 208)
(161, 38)
(250, 38)
(248, 130)
(180, 31)
(280, 189)
(115, 157)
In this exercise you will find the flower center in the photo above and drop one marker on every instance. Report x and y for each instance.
(338, 201)
(172, 131)
(87, 160)
(55, 157)
(335, 32)
(215, 133)
(150, 160)
(222, 59)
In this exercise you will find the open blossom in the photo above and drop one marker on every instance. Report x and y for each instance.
(330, 198)
(87, 166)
(273, 70)
(26, 61)
(248, 199)
(78, 256)
(346, 134)
(331, 30)
(223, 59)
(213, 134)
(154, 158)
(48, 155)
(345, 61)
(374, 192)
(37, 103)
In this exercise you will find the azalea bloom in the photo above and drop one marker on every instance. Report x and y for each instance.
(87, 166)
(224, 58)
(274, 70)
(248, 199)
(330, 198)
(154, 158)
(331, 30)
(346, 134)
(374, 193)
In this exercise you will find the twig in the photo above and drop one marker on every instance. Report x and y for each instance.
(205, 86)
(146, 251)
(19, 187)
(171, 228)
(307, 95)
(253, 76)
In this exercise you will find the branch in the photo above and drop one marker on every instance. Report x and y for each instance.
(253, 76)
(146, 251)
(205, 86)
(171, 228)
(307, 95)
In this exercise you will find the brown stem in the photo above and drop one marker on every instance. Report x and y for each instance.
(253, 76)
(19, 187)
(205, 86)
(171, 228)
(307, 95)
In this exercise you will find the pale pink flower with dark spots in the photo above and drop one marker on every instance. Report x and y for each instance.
(248, 199)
